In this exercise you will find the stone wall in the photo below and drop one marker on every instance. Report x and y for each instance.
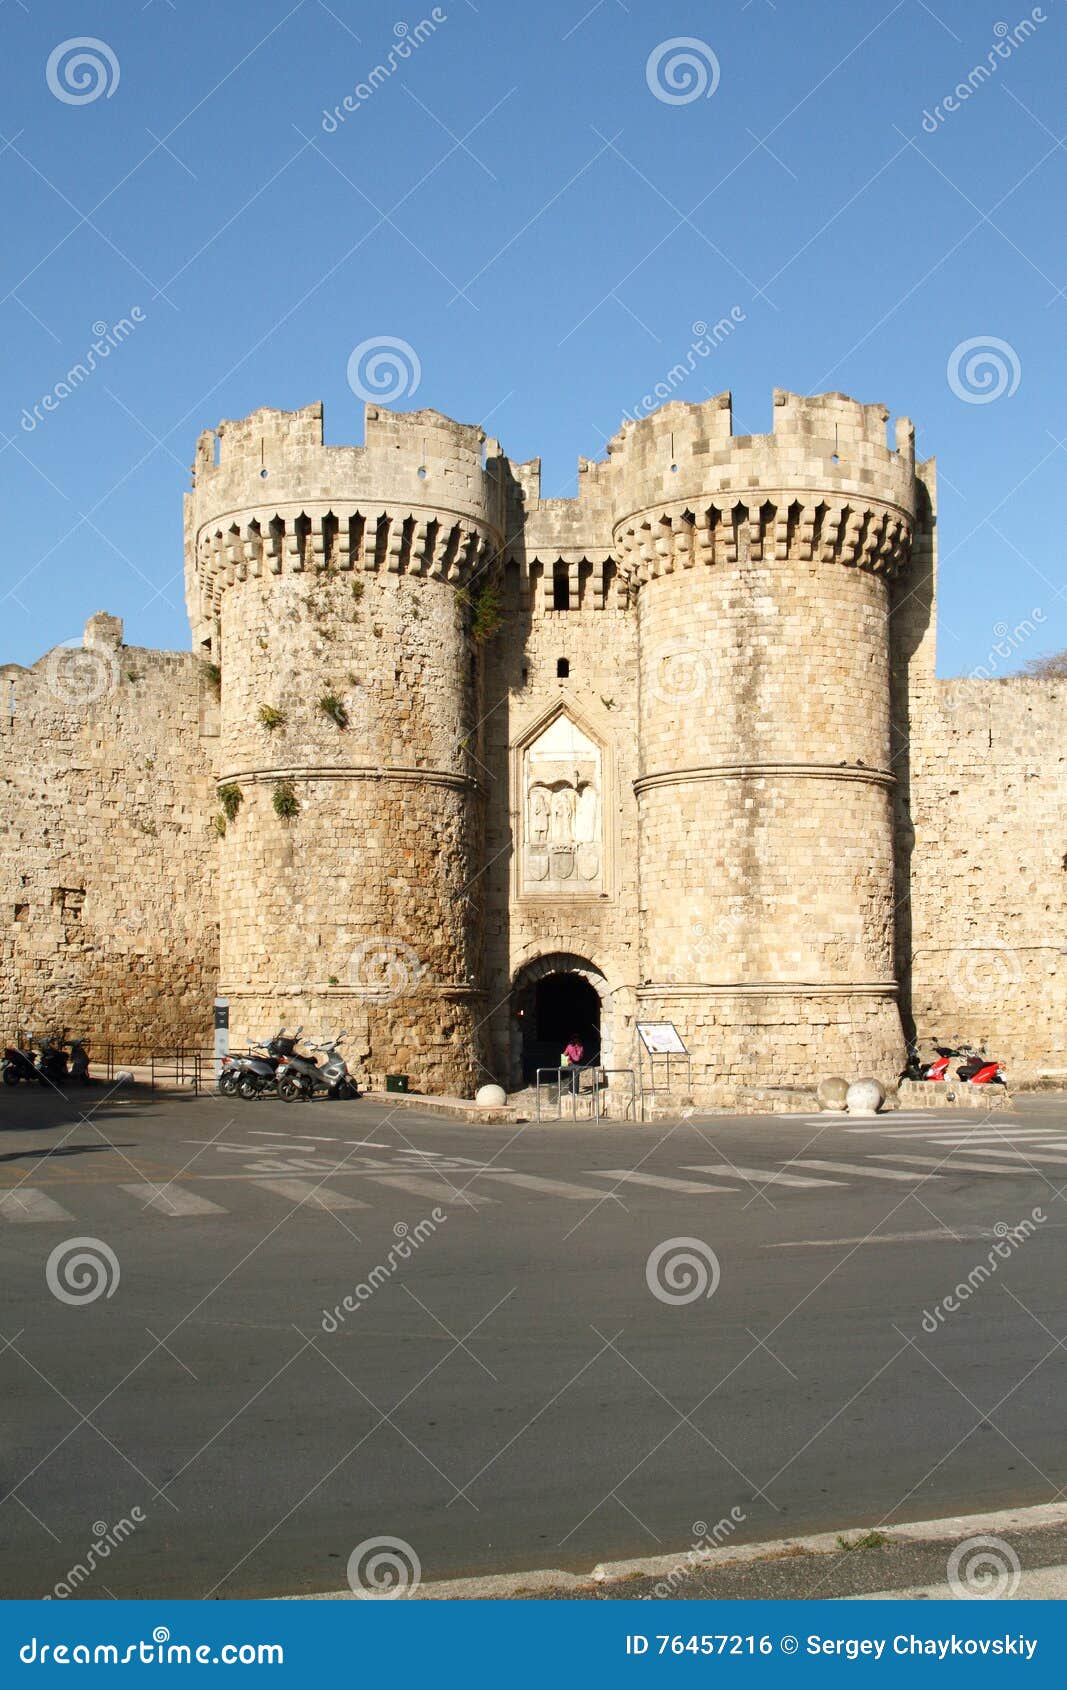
(988, 960)
(108, 922)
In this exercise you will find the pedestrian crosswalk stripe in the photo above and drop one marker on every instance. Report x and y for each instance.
(985, 1138)
(1027, 1155)
(29, 1204)
(759, 1176)
(548, 1187)
(864, 1168)
(437, 1189)
(311, 1196)
(631, 1177)
(950, 1164)
(929, 1127)
(173, 1200)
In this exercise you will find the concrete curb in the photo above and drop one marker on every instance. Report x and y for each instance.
(547, 1581)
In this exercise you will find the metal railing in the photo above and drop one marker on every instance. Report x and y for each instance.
(569, 1084)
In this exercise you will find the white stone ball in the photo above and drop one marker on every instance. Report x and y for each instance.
(495, 1095)
(832, 1094)
(865, 1097)
(124, 1077)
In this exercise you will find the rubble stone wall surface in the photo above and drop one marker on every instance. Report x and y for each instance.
(108, 919)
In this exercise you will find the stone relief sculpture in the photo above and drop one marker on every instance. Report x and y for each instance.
(562, 848)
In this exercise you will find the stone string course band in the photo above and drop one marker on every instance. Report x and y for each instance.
(451, 762)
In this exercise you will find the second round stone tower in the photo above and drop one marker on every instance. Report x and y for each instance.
(761, 567)
(334, 592)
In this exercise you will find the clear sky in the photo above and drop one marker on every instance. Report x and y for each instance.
(517, 201)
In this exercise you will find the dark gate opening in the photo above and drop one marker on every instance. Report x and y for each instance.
(553, 1012)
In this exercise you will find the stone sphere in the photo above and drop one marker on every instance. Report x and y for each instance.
(494, 1095)
(124, 1077)
(865, 1097)
(832, 1094)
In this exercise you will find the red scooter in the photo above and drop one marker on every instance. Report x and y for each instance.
(977, 1070)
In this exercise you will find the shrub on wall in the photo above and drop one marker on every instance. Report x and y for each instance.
(286, 803)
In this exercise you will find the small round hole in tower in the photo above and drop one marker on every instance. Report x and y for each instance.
(422, 472)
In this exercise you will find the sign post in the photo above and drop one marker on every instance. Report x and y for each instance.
(222, 1033)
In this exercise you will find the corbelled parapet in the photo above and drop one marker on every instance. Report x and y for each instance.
(423, 496)
(825, 486)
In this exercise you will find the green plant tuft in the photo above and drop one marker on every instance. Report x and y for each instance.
(231, 798)
(866, 1540)
(487, 618)
(220, 825)
(286, 803)
(212, 674)
(332, 706)
(270, 717)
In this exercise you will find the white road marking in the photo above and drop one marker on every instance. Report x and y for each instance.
(366, 1144)
(29, 1204)
(952, 1165)
(173, 1200)
(311, 1196)
(437, 1189)
(1034, 1155)
(985, 1138)
(860, 1168)
(632, 1177)
(934, 1127)
(878, 1238)
(760, 1176)
(549, 1187)
(308, 1138)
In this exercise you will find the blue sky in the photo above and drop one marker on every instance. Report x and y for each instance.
(518, 203)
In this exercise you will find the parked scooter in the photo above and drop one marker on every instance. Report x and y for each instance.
(51, 1060)
(79, 1062)
(19, 1066)
(917, 1069)
(301, 1076)
(255, 1071)
(977, 1069)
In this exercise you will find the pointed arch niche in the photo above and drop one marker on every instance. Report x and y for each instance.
(563, 807)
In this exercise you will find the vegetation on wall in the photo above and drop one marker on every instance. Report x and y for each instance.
(487, 617)
(332, 706)
(270, 717)
(231, 798)
(286, 803)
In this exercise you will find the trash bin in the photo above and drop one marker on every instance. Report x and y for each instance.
(396, 1082)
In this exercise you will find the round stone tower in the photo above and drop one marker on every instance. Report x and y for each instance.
(335, 588)
(761, 567)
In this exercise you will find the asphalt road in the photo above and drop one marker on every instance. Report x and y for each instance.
(513, 1394)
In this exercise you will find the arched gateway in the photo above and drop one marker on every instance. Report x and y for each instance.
(554, 999)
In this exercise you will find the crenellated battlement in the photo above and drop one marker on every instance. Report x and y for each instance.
(423, 496)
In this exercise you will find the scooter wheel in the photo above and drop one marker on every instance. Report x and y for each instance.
(289, 1090)
(10, 1077)
(248, 1087)
(228, 1085)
